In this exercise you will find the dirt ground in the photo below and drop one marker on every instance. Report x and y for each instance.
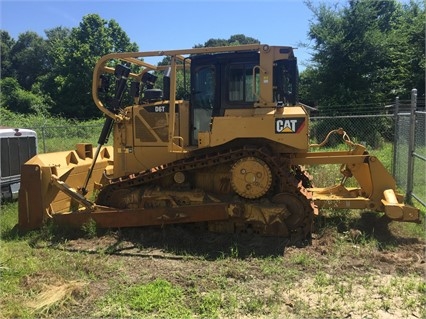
(360, 272)
(393, 252)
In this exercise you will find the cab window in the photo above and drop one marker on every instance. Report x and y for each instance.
(285, 81)
(204, 87)
(240, 88)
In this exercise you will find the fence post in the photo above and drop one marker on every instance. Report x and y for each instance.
(43, 135)
(411, 145)
(395, 135)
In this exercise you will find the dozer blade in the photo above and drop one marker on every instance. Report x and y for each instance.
(50, 183)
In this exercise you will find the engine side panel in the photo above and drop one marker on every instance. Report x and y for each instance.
(289, 128)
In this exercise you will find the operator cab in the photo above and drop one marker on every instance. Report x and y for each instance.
(220, 82)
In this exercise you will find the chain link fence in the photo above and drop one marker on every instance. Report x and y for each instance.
(62, 138)
(373, 131)
(398, 136)
(419, 157)
(409, 166)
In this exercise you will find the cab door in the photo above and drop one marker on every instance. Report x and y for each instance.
(203, 99)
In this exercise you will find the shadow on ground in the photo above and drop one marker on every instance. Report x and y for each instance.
(185, 240)
(193, 240)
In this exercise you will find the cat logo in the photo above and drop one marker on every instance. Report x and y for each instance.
(289, 125)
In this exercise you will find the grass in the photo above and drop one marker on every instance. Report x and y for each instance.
(329, 174)
(158, 298)
(419, 181)
(306, 282)
(54, 133)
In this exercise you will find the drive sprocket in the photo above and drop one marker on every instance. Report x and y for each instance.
(251, 177)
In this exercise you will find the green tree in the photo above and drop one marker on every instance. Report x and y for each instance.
(365, 53)
(56, 40)
(407, 51)
(93, 38)
(56, 73)
(236, 39)
(18, 100)
(45, 84)
(29, 58)
(24, 62)
(6, 45)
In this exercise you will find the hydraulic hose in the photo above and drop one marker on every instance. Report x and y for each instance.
(121, 73)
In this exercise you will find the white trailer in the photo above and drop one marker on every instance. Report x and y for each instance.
(17, 146)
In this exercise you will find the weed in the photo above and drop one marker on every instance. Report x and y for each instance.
(47, 231)
(234, 252)
(8, 220)
(230, 303)
(209, 304)
(271, 266)
(385, 291)
(343, 289)
(300, 307)
(114, 304)
(322, 279)
(421, 288)
(386, 304)
(160, 297)
(89, 229)
(410, 229)
(410, 302)
(253, 305)
(302, 259)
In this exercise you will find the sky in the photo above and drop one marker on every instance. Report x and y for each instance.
(173, 24)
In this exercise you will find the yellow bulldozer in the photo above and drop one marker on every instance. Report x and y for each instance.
(221, 139)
